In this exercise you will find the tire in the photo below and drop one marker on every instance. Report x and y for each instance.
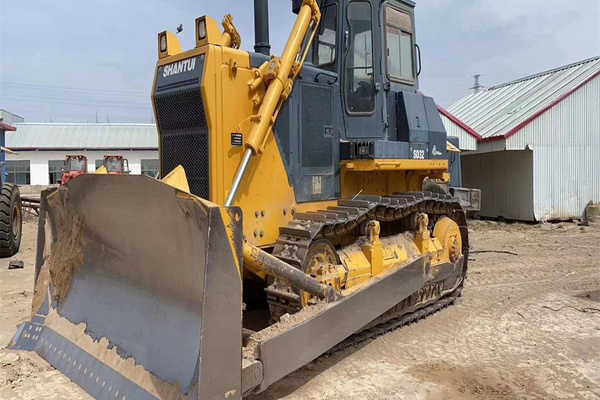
(11, 220)
(433, 187)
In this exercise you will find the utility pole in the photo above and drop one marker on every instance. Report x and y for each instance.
(477, 87)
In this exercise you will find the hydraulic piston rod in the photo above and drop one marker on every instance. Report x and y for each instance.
(262, 260)
(238, 178)
(282, 73)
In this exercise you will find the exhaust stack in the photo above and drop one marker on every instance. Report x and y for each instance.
(261, 27)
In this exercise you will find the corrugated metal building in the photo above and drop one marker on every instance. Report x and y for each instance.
(10, 118)
(467, 137)
(42, 148)
(538, 155)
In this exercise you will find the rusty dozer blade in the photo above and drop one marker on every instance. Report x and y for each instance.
(138, 290)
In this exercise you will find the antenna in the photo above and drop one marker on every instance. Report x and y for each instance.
(476, 86)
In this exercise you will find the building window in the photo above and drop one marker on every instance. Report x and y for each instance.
(99, 163)
(150, 168)
(55, 168)
(399, 42)
(326, 41)
(360, 82)
(17, 172)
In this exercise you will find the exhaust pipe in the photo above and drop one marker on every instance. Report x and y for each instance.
(261, 27)
(296, 6)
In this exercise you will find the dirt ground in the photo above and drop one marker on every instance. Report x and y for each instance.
(527, 327)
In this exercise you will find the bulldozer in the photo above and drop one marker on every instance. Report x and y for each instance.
(116, 165)
(75, 165)
(289, 220)
(113, 165)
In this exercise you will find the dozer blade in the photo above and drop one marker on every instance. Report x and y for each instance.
(138, 290)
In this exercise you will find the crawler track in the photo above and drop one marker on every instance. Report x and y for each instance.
(395, 213)
(411, 314)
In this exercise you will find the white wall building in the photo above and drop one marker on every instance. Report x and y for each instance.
(467, 137)
(538, 155)
(42, 148)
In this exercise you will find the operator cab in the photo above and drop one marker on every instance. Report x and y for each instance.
(361, 75)
(75, 164)
(372, 65)
(116, 165)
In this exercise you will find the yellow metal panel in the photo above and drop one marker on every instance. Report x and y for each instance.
(395, 165)
(213, 32)
(450, 239)
(359, 268)
(181, 56)
(265, 191)
(452, 148)
(173, 45)
(385, 177)
(177, 179)
(380, 183)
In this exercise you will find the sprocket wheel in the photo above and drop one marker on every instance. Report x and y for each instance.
(320, 252)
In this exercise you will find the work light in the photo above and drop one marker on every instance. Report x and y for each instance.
(201, 29)
(163, 43)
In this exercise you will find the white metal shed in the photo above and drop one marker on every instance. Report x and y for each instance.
(539, 153)
(42, 148)
(467, 137)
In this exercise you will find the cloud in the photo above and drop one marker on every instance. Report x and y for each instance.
(502, 40)
(111, 45)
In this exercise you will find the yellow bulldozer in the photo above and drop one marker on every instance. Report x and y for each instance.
(300, 209)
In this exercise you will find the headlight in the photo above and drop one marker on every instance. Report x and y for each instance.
(202, 29)
(163, 43)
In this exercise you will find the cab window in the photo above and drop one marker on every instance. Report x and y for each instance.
(399, 43)
(360, 84)
(75, 164)
(325, 50)
(113, 164)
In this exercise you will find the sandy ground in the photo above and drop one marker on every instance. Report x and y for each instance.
(502, 340)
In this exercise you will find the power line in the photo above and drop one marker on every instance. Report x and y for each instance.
(66, 88)
(91, 115)
(51, 101)
(64, 99)
(77, 99)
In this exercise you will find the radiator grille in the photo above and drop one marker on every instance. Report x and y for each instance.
(184, 137)
(189, 149)
(179, 111)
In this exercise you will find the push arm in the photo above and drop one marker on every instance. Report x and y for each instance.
(279, 75)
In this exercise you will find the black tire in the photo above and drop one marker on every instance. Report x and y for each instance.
(433, 187)
(11, 220)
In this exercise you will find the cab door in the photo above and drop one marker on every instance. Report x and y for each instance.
(362, 97)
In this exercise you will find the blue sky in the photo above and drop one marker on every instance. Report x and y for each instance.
(70, 60)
